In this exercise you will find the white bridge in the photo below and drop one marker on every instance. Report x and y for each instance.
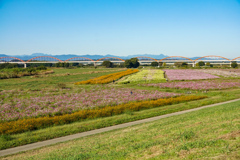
(142, 60)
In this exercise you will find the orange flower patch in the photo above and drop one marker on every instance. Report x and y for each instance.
(108, 78)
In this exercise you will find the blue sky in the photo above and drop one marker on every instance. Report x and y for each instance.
(120, 27)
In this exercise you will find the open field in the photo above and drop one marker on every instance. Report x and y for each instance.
(211, 133)
(51, 81)
(55, 95)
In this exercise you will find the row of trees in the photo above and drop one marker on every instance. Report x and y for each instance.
(201, 63)
(130, 63)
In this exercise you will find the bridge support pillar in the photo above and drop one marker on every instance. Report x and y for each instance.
(193, 64)
(25, 65)
(230, 64)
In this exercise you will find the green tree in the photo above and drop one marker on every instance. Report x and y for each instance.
(128, 63)
(66, 65)
(201, 63)
(164, 64)
(135, 62)
(107, 64)
(131, 63)
(234, 65)
(154, 64)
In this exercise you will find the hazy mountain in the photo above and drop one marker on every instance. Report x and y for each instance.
(94, 57)
(3, 55)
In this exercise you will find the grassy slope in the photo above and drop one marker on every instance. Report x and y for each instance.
(208, 133)
(86, 125)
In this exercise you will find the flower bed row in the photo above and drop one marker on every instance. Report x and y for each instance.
(223, 72)
(187, 74)
(43, 122)
(198, 85)
(145, 76)
(14, 106)
(108, 78)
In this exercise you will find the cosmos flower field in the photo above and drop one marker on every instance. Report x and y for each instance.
(199, 85)
(187, 74)
(222, 72)
(47, 104)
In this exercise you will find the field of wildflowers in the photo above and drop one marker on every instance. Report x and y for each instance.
(36, 102)
(187, 74)
(145, 76)
(199, 85)
(14, 106)
(28, 124)
(108, 78)
(223, 72)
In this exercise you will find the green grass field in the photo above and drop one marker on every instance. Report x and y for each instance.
(212, 133)
(67, 76)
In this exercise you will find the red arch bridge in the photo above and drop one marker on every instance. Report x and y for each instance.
(213, 59)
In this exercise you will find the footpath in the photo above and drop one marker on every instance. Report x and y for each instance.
(92, 132)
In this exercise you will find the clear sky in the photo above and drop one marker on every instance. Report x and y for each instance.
(120, 27)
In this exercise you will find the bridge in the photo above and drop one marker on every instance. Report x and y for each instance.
(213, 59)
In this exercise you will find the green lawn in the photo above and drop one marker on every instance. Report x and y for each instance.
(212, 133)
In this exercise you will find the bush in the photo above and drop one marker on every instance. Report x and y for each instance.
(61, 85)
(41, 68)
(208, 64)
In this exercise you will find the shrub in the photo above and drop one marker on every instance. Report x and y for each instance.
(42, 68)
(61, 85)
(208, 64)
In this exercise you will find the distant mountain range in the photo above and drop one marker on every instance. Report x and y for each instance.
(94, 57)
